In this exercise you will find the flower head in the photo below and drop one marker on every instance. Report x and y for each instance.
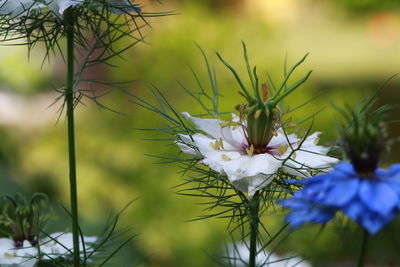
(21, 218)
(359, 189)
(238, 255)
(21, 8)
(253, 146)
(57, 245)
(61, 245)
(225, 148)
(371, 201)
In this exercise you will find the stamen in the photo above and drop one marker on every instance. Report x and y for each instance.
(250, 151)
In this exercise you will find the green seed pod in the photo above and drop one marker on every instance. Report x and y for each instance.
(260, 127)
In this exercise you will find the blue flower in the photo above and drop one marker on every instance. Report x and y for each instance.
(371, 201)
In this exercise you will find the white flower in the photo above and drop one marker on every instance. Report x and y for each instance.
(59, 6)
(12, 256)
(225, 149)
(238, 255)
(61, 244)
(57, 245)
(115, 6)
(18, 8)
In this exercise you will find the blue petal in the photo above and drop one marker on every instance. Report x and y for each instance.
(304, 210)
(393, 173)
(378, 197)
(373, 222)
(292, 203)
(369, 220)
(313, 179)
(311, 214)
(346, 168)
(296, 182)
(341, 192)
(315, 191)
(394, 170)
(395, 186)
(354, 209)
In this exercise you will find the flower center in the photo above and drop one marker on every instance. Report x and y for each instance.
(364, 144)
(261, 127)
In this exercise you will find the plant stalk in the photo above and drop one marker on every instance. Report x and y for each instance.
(69, 98)
(364, 244)
(254, 221)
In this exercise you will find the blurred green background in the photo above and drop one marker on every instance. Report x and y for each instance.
(354, 46)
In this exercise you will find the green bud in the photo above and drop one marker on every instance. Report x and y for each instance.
(363, 141)
(21, 218)
(261, 124)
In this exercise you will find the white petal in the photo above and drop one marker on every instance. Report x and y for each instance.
(213, 158)
(211, 127)
(296, 169)
(18, 8)
(64, 5)
(203, 143)
(206, 144)
(122, 6)
(310, 156)
(251, 173)
(5, 245)
(234, 136)
(186, 145)
(9, 255)
(62, 243)
(188, 150)
(59, 6)
(238, 255)
(254, 183)
(281, 139)
(217, 159)
(245, 166)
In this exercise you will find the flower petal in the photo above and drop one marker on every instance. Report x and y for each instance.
(18, 8)
(246, 166)
(234, 136)
(303, 211)
(308, 156)
(59, 6)
(252, 184)
(280, 139)
(346, 169)
(341, 192)
(186, 145)
(211, 127)
(122, 7)
(378, 197)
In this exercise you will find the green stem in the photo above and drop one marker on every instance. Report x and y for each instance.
(69, 97)
(364, 245)
(254, 220)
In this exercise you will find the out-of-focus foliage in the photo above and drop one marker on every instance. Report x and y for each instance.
(19, 76)
(350, 55)
(368, 5)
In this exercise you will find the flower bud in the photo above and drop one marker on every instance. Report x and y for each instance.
(260, 128)
(363, 142)
(21, 219)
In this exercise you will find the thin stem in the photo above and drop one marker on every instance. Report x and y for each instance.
(254, 220)
(364, 245)
(69, 98)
